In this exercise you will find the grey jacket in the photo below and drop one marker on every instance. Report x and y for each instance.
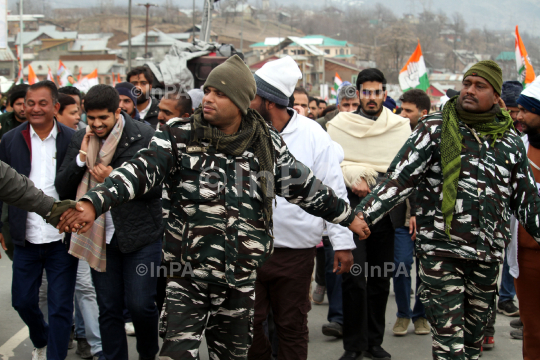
(17, 190)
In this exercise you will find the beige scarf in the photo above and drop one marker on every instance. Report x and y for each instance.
(369, 146)
(91, 245)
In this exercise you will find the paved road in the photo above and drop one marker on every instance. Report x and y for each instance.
(15, 344)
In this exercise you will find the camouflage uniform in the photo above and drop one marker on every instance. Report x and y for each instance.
(214, 220)
(495, 181)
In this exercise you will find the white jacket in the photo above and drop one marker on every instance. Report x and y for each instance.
(512, 249)
(293, 227)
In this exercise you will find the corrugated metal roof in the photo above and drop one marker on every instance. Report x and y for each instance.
(162, 39)
(49, 30)
(506, 56)
(90, 45)
(7, 55)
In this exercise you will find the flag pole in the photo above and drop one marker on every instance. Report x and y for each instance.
(21, 36)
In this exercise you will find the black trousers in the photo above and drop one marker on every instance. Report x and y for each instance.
(365, 295)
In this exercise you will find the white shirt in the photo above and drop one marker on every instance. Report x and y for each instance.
(142, 114)
(293, 227)
(43, 174)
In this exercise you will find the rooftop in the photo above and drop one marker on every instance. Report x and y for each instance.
(49, 30)
(159, 39)
(506, 56)
(315, 40)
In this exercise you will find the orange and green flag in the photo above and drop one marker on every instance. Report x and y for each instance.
(414, 74)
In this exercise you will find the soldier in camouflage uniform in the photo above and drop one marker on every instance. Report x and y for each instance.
(218, 211)
(460, 250)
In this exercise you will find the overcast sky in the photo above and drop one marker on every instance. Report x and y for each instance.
(498, 14)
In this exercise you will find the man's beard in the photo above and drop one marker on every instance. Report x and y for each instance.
(142, 98)
(20, 119)
(264, 113)
(372, 112)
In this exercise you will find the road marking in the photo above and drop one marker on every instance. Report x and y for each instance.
(7, 348)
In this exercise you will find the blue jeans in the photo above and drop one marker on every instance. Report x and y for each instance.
(122, 278)
(86, 308)
(507, 290)
(403, 260)
(333, 286)
(29, 261)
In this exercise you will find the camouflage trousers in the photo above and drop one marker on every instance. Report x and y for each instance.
(193, 309)
(459, 296)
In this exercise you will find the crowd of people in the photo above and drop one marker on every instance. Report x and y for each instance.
(210, 214)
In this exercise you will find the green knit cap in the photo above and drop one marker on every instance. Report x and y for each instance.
(489, 70)
(234, 79)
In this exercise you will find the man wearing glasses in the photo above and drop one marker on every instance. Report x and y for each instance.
(371, 137)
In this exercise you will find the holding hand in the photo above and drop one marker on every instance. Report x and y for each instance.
(360, 227)
(80, 220)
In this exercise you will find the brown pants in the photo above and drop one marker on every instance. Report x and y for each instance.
(283, 285)
(528, 293)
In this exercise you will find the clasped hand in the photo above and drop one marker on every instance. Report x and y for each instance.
(78, 220)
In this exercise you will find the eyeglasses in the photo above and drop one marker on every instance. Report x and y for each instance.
(368, 93)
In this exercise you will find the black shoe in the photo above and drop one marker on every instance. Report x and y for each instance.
(351, 355)
(517, 334)
(508, 308)
(333, 329)
(516, 324)
(377, 353)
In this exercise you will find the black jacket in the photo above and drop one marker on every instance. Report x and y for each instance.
(137, 223)
(15, 150)
(152, 114)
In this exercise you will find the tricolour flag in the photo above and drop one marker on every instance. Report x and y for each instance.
(88, 81)
(113, 80)
(524, 68)
(50, 75)
(119, 80)
(32, 78)
(64, 76)
(337, 84)
(414, 74)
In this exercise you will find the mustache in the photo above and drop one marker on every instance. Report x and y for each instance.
(469, 97)
(372, 103)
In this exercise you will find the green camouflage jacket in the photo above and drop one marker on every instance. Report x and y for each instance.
(494, 183)
(212, 202)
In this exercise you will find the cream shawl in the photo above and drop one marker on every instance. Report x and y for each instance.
(369, 146)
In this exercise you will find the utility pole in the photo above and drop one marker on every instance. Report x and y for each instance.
(242, 29)
(21, 36)
(193, 18)
(147, 6)
(129, 36)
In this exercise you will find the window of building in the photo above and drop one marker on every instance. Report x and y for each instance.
(285, 51)
(301, 52)
(341, 52)
(327, 51)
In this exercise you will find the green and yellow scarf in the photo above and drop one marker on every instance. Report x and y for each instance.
(494, 123)
(253, 132)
